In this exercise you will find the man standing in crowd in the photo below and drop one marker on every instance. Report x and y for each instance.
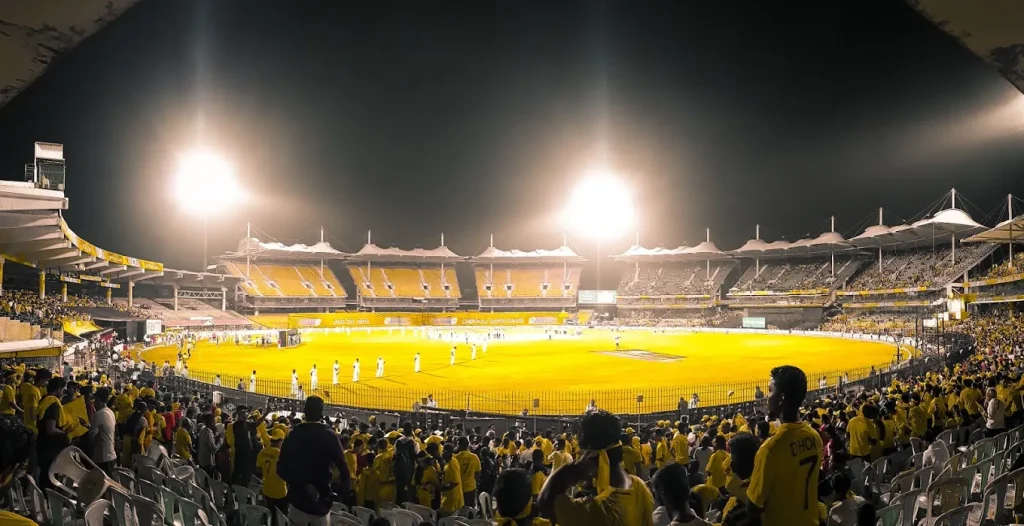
(783, 488)
(207, 450)
(101, 432)
(469, 466)
(275, 491)
(52, 437)
(305, 463)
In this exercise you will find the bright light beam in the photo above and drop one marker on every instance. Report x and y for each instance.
(205, 182)
(600, 207)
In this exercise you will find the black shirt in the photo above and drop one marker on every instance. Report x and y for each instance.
(307, 456)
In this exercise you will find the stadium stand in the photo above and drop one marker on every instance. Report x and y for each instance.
(786, 274)
(924, 267)
(274, 275)
(672, 278)
(396, 278)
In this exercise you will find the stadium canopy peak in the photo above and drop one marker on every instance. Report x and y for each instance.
(372, 252)
(254, 248)
(1008, 231)
(706, 250)
(950, 223)
(562, 254)
(184, 279)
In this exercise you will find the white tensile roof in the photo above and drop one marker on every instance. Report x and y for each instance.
(1009, 231)
(561, 254)
(951, 222)
(253, 247)
(705, 250)
(371, 252)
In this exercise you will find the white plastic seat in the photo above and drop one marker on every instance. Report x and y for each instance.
(908, 504)
(62, 509)
(406, 518)
(344, 515)
(486, 505)
(99, 509)
(71, 464)
(959, 516)
(37, 500)
(146, 511)
(946, 495)
(423, 511)
(188, 512)
(452, 521)
(889, 515)
(251, 515)
(338, 506)
(365, 514)
(170, 498)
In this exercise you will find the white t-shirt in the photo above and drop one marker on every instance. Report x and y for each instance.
(996, 414)
(102, 427)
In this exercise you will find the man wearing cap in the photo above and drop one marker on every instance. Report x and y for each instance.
(305, 463)
(275, 491)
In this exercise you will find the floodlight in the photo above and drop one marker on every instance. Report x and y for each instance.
(205, 182)
(600, 207)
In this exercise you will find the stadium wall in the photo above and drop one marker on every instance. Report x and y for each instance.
(432, 319)
(789, 317)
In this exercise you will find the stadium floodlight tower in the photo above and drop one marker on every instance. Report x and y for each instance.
(600, 208)
(205, 183)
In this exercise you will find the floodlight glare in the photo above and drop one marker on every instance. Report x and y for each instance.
(600, 207)
(205, 182)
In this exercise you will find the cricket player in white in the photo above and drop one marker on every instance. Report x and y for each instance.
(380, 367)
(355, 371)
(453, 355)
(416, 363)
(472, 352)
(485, 346)
(295, 383)
(334, 373)
(312, 379)
(252, 382)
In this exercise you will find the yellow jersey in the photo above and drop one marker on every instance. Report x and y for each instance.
(633, 506)
(429, 485)
(863, 433)
(537, 482)
(970, 397)
(30, 396)
(469, 466)
(681, 449)
(716, 468)
(559, 459)
(273, 486)
(785, 478)
(7, 402)
(662, 455)
(630, 459)
(183, 443)
(451, 499)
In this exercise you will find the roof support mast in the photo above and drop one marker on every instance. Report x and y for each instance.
(321, 259)
(833, 250)
(490, 272)
(248, 236)
(442, 262)
(369, 277)
(757, 260)
(1009, 214)
(707, 238)
(565, 265)
(952, 255)
(636, 263)
(880, 223)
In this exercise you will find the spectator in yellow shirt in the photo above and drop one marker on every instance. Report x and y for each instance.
(619, 495)
(559, 457)
(469, 464)
(451, 483)
(716, 464)
(662, 455)
(8, 406)
(183, 440)
(681, 445)
(275, 491)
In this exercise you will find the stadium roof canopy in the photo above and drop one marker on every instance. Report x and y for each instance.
(254, 248)
(185, 279)
(371, 252)
(951, 223)
(562, 254)
(35, 32)
(702, 252)
(1009, 231)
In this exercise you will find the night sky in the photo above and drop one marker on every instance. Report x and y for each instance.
(471, 118)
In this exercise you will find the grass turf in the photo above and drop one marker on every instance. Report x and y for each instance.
(564, 374)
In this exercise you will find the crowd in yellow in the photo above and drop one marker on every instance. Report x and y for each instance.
(727, 468)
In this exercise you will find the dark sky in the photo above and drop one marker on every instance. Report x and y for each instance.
(416, 118)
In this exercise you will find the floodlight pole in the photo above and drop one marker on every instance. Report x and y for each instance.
(1009, 213)
(206, 216)
(598, 284)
